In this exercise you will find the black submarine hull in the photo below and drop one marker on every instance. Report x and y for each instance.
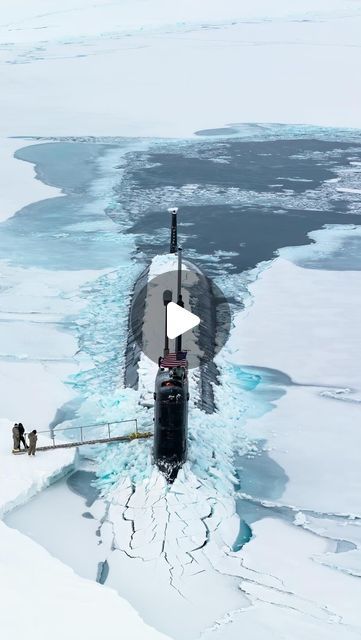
(170, 423)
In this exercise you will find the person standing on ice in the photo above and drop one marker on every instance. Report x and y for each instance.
(21, 435)
(32, 442)
(16, 437)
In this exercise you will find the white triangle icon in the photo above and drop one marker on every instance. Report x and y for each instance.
(179, 320)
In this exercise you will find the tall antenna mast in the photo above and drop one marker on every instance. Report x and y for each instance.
(180, 302)
(173, 230)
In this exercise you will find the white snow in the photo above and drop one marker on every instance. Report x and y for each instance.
(15, 172)
(53, 598)
(183, 535)
(326, 242)
(304, 322)
(300, 519)
(157, 67)
(348, 190)
(166, 533)
(21, 476)
(171, 67)
(36, 356)
(301, 584)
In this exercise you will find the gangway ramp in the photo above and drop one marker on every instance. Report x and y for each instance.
(84, 438)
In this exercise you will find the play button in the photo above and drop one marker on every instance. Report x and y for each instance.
(179, 320)
(203, 323)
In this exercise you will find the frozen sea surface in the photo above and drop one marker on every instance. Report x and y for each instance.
(253, 196)
(241, 201)
(242, 198)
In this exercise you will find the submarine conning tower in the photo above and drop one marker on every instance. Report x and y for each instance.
(171, 393)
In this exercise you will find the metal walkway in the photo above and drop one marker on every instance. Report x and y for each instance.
(108, 427)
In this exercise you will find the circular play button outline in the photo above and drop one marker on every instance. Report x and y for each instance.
(201, 297)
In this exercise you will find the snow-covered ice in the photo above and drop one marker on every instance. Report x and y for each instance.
(21, 477)
(33, 372)
(55, 601)
(13, 172)
(36, 353)
(157, 67)
(187, 541)
(52, 598)
(172, 67)
(304, 323)
(285, 564)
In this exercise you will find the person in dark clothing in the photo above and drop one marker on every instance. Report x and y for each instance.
(32, 442)
(21, 435)
(16, 437)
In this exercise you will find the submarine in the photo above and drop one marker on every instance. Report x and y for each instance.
(169, 397)
(171, 394)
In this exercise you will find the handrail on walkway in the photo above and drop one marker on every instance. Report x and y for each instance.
(54, 433)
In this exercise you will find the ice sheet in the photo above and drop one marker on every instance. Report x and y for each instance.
(37, 349)
(304, 322)
(47, 587)
(13, 172)
(284, 565)
(43, 584)
(143, 56)
(136, 76)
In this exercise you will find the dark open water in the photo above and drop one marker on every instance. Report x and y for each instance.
(240, 201)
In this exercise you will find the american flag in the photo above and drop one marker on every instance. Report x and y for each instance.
(174, 360)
